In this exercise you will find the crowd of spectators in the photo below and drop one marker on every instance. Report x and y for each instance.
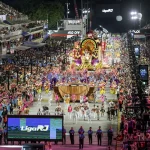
(10, 12)
(7, 30)
(134, 129)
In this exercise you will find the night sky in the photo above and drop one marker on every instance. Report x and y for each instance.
(108, 20)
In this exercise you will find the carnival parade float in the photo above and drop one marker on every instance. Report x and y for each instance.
(87, 61)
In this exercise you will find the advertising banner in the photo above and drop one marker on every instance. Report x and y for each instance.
(34, 127)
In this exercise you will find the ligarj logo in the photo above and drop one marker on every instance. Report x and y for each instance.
(38, 128)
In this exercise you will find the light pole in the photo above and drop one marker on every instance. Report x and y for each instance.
(136, 16)
(67, 9)
(86, 12)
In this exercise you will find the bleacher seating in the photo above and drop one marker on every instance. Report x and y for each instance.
(12, 15)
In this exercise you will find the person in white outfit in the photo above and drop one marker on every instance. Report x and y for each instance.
(97, 97)
(39, 95)
(74, 116)
(111, 104)
(39, 112)
(83, 113)
(81, 98)
(50, 98)
(88, 113)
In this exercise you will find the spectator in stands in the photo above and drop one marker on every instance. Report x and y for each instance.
(1, 135)
(5, 135)
(11, 108)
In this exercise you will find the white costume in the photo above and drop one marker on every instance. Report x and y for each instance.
(39, 112)
(111, 104)
(50, 98)
(83, 112)
(97, 97)
(81, 99)
(40, 96)
(74, 116)
(88, 113)
(58, 112)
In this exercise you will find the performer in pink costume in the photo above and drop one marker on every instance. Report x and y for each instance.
(102, 98)
(56, 98)
(73, 97)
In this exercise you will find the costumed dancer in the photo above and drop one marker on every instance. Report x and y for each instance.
(96, 96)
(74, 116)
(83, 113)
(113, 87)
(85, 99)
(102, 90)
(73, 97)
(47, 88)
(94, 111)
(102, 111)
(98, 112)
(39, 91)
(77, 109)
(70, 111)
(88, 113)
(67, 101)
(50, 97)
(81, 98)
(102, 98)
(56, 98)
(58, 110)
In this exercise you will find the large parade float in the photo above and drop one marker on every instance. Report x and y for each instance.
(88, 59)
(89, 53)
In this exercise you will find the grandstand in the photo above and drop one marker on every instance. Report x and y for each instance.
(11, 16)
(16, 28)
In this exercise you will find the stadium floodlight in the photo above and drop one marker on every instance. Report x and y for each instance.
(133, 13)
(134, 17)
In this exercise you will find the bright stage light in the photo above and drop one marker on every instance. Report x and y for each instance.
(133, 13)
(134, 17)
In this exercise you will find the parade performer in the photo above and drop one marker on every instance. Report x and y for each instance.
(97, 96)
(85, 99)
(56, 98)
(102, 90)
(81, 99)
(74, 116)
(98, 112)
(102, 111)
(46, 88)
(39, 91)
(102, 98)
(73, 97)
(83, 113)
(77, 108)
(50, 97)
(94, 111)
(58, 109)
(113, 87)
(67, 101)
(26, 110)
(70, 111)
(88, 113)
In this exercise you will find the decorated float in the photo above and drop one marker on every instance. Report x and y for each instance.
(88, 54)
